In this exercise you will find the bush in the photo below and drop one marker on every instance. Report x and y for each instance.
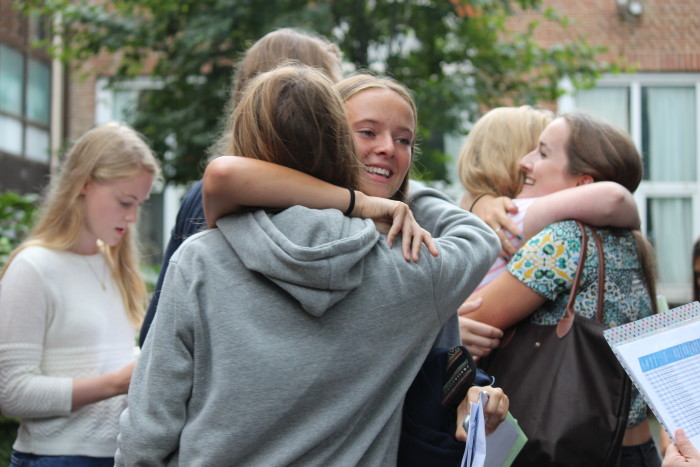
(8, 433)
(16, 216)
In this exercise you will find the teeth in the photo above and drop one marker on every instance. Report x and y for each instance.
(529, 181)
(378, 171)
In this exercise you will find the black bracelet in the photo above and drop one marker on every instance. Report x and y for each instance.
(352, 202)
(477, 199)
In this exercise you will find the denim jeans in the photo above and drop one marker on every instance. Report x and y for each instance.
(640, 455)
(20, 459)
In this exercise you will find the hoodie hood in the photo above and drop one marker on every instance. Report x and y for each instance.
(317, 256)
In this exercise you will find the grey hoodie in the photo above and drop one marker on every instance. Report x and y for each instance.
(291, 338)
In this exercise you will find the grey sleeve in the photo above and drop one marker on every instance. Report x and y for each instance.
(467, 246)
(161, 385)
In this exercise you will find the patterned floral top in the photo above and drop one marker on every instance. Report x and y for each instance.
(547, 264)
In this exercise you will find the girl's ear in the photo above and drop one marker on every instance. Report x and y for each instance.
(584, 179)
(83, 190)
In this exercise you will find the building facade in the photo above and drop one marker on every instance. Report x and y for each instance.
(657, 102)
(44, 107)
(30, 108)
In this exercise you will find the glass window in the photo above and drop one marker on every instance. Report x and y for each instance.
(668, 133)
(669, 228)
(608, 103)
(25, 104)
(10, 135)
(125, 104)
(38, 92)
(37, 144)
(11, 80)
(661, 112)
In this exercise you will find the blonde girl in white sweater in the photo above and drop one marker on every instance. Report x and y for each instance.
(71, 300)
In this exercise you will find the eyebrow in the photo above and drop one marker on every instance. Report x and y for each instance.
(378, 122)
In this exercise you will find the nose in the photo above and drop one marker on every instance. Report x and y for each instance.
(526, 161)
(132, 214)
(385, 145)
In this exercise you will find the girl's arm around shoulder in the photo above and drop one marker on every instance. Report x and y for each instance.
(231, 183)
(434, 210)
(602, 204)
(496, 212)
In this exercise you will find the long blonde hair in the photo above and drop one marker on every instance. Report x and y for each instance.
(110, 152)
(489, 161)
(356, 84)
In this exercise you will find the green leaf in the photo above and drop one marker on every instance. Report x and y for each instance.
(459, 57)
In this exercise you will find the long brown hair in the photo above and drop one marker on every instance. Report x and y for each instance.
(606, 153)
(359, 83)
(293, 116)
(106, 153)
(269, 51)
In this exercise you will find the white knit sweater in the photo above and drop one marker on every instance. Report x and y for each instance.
(57, 324)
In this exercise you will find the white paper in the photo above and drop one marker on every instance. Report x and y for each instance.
(504, 444)
(475, 451)
(665, 366)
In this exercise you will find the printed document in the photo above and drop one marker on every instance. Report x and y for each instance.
(661, 354)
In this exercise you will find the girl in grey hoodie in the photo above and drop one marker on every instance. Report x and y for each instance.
(271, 342)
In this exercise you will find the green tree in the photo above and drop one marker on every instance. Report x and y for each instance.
(458, 56)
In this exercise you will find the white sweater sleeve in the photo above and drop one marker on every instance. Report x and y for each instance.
(25, 312)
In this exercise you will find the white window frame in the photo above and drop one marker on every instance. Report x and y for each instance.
(675, 293)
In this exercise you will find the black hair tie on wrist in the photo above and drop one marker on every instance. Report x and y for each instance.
(352, 202)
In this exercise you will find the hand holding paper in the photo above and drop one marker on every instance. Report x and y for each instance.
(475, 452)
(497, 449)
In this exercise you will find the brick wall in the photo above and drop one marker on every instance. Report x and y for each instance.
(665, 37)
(82, 92)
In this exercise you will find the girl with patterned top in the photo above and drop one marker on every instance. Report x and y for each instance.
(489, 166)
(574, 150)
(71, 301)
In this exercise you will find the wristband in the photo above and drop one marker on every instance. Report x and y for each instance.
(352, 202)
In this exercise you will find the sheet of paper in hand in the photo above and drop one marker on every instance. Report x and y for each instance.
(661, 354)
